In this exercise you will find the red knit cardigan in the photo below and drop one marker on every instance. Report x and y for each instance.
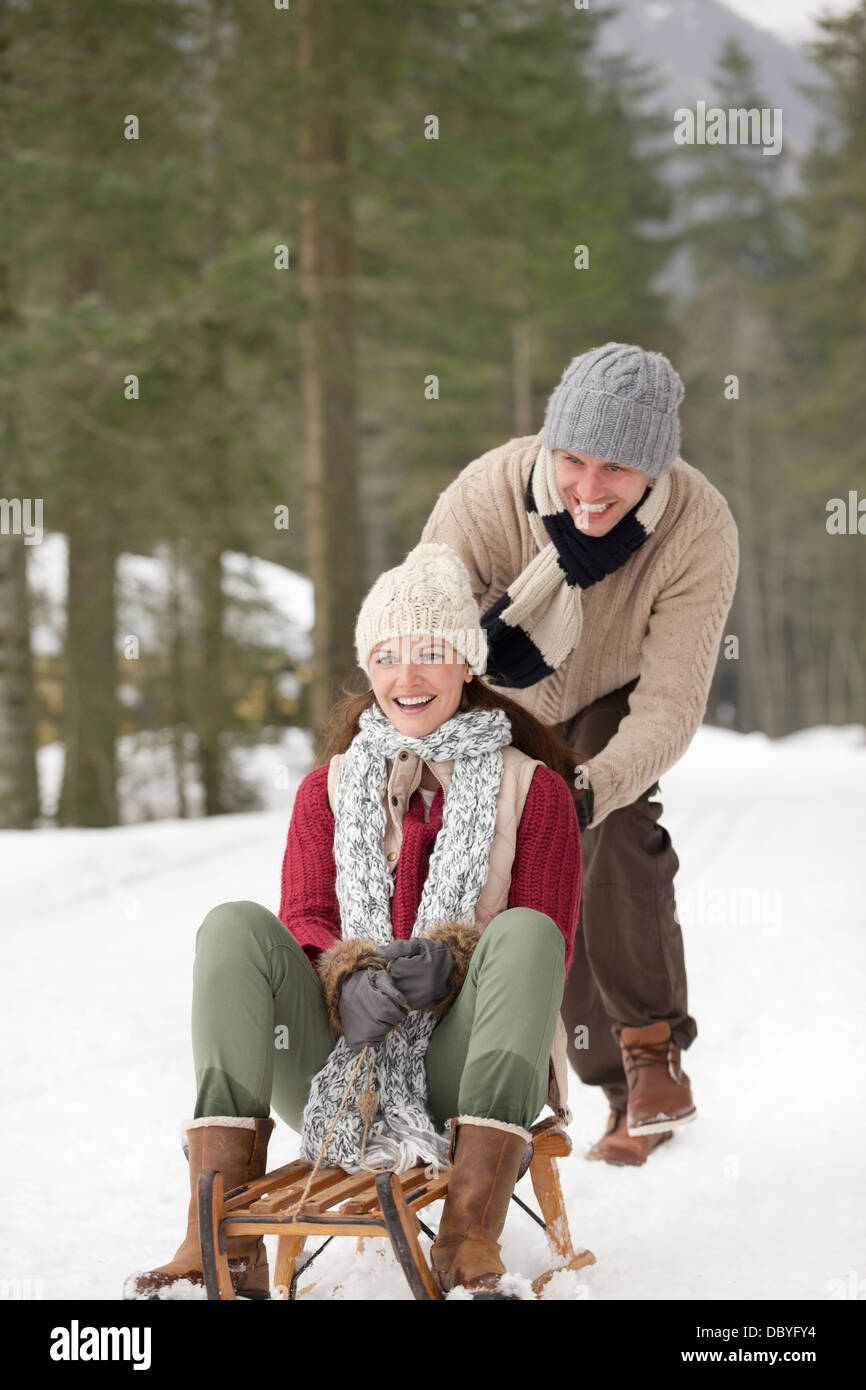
(546, 873)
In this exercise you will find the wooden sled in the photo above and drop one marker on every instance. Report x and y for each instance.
(361, 1205)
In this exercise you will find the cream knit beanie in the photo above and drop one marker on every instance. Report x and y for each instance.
(429, 592)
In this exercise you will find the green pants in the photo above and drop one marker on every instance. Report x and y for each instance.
(260, 1030)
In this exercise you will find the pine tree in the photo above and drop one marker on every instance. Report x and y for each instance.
(740, 235)
(827, 330)
(19, 801)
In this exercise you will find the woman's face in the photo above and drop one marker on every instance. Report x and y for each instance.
(417, 666)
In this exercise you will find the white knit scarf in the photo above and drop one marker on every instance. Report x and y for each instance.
(457, 873)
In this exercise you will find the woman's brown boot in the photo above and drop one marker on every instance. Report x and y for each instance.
(486, 1156)
(238, 1148)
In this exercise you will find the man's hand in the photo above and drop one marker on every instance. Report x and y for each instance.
(370, 1005)
(420, 968)
(583, 800)
(585, 808)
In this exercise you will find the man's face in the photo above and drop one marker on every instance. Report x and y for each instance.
(585, 482)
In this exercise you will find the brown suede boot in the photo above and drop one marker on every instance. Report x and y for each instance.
(237, 1147)
(660, 1095)
(618, 1147)
(486, 1156)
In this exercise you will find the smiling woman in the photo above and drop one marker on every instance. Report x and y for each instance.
(417, 683)
(448, 975)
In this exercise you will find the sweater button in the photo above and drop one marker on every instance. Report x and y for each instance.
(403, 756)
(394, 800)
(391, 856)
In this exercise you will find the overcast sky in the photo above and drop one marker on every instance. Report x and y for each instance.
(790, 19)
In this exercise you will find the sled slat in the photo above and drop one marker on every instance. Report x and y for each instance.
(414, 1177)
(280, 1177)
(281, 1201)
(359, 1192)
(373, 1225)
(410, 1182)
(435, 1190)
(358, 1185)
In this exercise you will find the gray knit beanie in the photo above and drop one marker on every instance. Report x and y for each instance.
(620, 403)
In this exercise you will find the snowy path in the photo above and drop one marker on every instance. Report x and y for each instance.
(758, 1199)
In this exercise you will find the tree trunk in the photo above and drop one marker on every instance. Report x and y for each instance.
(89, 792)
(178, 712)
(775, 553)
(326, 260)
(19, 796)
(88, 796)
(522, 376)
(211, 715)
(211, 711)
(810, 704)
(756, 710)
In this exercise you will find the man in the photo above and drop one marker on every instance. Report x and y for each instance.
(604, 566)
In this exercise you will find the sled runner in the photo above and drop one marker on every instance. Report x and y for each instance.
(361, 1205)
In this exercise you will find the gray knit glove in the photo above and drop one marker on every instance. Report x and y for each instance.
(420, 968)
(370, 1006)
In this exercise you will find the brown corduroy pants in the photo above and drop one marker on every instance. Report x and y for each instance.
(628, 968)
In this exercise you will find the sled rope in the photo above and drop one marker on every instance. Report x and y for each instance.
(303, 1197)
(367, 1105)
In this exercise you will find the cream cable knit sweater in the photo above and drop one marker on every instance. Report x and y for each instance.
(660, 616)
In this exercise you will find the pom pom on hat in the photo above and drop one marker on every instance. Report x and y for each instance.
(430, 592)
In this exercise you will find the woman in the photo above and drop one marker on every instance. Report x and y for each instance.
(428, 938)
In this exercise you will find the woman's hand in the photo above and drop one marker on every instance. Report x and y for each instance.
(419, 967)
(371, 1004)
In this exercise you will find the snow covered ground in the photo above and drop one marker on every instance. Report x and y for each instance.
(759, 1199)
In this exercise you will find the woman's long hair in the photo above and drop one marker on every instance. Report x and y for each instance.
(528, 734)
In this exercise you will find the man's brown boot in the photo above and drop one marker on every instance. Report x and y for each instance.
(486, 1157)
(617, 1146)
(238, 1149)
(659, 1092)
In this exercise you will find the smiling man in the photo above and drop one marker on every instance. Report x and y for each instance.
(604, 566)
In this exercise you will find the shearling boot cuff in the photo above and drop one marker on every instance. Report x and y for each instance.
(236, 1121)
(494, 1124)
